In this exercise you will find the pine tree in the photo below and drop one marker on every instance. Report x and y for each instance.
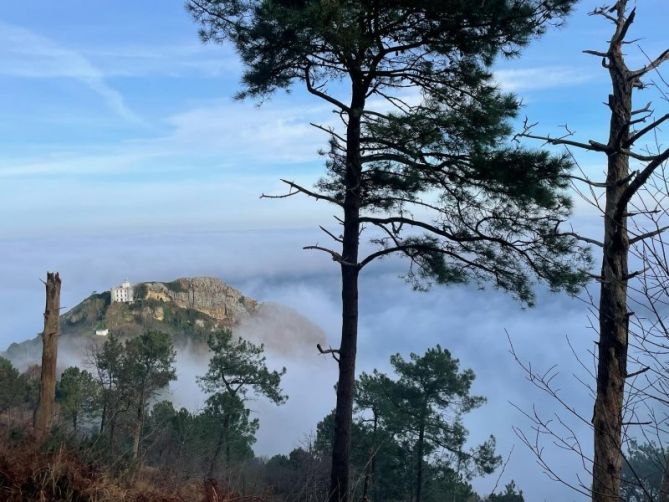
(423, 156)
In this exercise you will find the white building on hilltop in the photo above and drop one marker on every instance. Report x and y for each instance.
(122, 293)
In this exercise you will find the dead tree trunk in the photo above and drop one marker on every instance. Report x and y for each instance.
(613, 314)
(626, 127)
(47, 390)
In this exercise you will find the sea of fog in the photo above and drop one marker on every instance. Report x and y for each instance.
(271, 266)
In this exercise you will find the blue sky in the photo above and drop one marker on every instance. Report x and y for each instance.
(122, 153)
(113, 112)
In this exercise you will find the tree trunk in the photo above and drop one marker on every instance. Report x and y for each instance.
(47, 390)
(226, 435)
(137, 431)
(613, 314)
(217, 452)
(112, 433)
(664, 487)
(371, 463)
(420, 448)
(341, 448)
(103, 418)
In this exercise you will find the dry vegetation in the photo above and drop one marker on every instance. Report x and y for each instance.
(59, 471)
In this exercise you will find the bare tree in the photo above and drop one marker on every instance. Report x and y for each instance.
(629, 130)
(647, 392)
(47, 390)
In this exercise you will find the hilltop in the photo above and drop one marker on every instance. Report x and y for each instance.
(187, 308)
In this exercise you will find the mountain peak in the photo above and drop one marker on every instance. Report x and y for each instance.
(208, 295)
(187, 308)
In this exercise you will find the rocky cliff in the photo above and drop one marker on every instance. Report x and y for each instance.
(205, 294)
(187, 308)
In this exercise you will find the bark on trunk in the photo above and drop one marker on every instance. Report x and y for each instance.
(217, 451)
(419, 461)
(47, 390)
(664, 487)
(112, 435)
(370, 471)
(103, 418)
(226, 435)
(613, 314)
(341, 448)
(137, 430)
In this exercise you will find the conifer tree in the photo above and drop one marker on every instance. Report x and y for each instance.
(422, 156)
(237, 370)
(78, 394)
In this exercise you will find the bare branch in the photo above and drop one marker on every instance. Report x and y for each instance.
(639, 180)
(648, 235)
(333, 236)
(295, 189)
(639, 372)
(656, 63)
(594, 242)
(645, 130)
(333, 352)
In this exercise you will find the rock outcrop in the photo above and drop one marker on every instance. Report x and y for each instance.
(208, 295)
(188, 309)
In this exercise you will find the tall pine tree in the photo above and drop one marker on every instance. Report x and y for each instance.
(422, 157)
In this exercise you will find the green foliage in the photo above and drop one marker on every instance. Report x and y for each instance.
(78, 394)
(237, 370)
(508, 495)
(427, 403)
(148, 363)
(13, 387)
(141, 291)
(238, 367)
(390, 464)
(109, 372)
(276, 39)
(130, 374)
(493, 208)
(225, 417)
(413, 420)
(642, 472)
(300, 476)
(179, 439)
(31, 376)
(91, 311)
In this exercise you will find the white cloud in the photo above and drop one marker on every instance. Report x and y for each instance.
(530, 79)
(267, 134)
(173, 60)
(26, 54)
(224, 134)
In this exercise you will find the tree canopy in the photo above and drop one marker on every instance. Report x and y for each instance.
(78, 394)
(422, 410)
(432, 127)
(421, 153)
(237, 371)
(13, 386)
